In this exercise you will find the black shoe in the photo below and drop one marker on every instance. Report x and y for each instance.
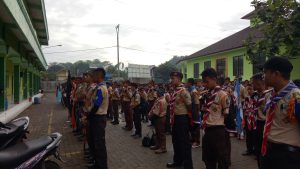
(115, 123)
(133, 135)
(247, 153)
(173, 165)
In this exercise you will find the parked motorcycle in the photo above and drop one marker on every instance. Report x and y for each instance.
(13, 132)
(32, 154)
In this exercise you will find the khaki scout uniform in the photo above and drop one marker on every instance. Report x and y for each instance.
(283, 131)
(181, 129)
(126, 98)
(159, 110)
(215, 141)
(135, 109)
(115, 97)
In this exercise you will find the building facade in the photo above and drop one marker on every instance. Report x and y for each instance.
(229, 57)
(23, 29)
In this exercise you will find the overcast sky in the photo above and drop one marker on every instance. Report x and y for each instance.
(158, 29)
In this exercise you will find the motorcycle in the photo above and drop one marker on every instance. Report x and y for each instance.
(13, 132)
(32, 154)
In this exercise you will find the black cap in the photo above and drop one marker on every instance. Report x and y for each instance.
(280, 64)
(178, 74)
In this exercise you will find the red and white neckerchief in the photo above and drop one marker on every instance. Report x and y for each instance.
(211, 98)
(251, 113)
(178, 90)
(270, 109)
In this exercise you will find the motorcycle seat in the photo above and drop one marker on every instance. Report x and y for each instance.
(15, 155)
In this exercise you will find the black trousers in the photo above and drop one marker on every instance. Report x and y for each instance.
(137, 120)
(181, 141)
(250, 140)
(259, 138)
(97, 134)
(215, 151)
(279, 157)
(115, 106)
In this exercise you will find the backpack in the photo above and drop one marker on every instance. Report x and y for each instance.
(148, 140)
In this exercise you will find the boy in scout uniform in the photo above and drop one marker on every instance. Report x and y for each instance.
(195, 128)
(98, 120)
(126, 97)
(180, 107)
(158, 112)
(260, 99)
(281, 140)
(135, 109)
(215, 151)
(115, 97)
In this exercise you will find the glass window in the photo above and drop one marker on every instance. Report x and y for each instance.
(196, 70)
(207, 65)
(238, 66)
(221, 67)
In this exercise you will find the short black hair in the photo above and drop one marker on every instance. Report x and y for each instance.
(100, 70)
(191, 80)
(221, 81)
(281, 64)
(210, 72)
(258, 76)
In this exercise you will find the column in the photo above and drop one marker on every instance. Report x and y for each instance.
(2, 82)
(25, 86)
(16, 84)
(30, 84)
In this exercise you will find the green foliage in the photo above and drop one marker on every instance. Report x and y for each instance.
(162, 72)
(279, 22)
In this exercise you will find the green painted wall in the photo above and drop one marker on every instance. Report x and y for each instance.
(2, 81)
(247, 67)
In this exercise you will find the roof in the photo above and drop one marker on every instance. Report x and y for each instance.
(231, 42)
(249, 15)
(36, 10)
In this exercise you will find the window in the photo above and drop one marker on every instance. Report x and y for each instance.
(196, 70)
(207, 65)
(258, 62)
(221, 67)
(238, 66)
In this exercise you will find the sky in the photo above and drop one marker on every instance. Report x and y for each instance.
(151, 31)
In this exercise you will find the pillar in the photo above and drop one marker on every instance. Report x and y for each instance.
(25, 86)
(2, 82)
(16, 84)
(30, 84)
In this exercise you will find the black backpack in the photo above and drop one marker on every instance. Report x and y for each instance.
(148, 140)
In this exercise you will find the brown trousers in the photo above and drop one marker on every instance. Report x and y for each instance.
(160, 125)
(115, 107)
(128, 115)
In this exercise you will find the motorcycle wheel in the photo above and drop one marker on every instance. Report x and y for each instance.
(51, 165)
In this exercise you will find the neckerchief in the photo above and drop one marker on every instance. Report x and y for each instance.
(270, 108)
(250, 113)
(211, 98)
(178, 89)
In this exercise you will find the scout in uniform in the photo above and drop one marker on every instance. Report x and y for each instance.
(126, 97)
(180, 107)
(115, 97)
(215, 151)
(135, 102)
(281, 140)
(98, 120)
(250, 121)
(158, 112)
(195, 128)
(259, 102)
(144, 104)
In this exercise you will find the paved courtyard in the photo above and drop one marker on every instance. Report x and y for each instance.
(124, 152)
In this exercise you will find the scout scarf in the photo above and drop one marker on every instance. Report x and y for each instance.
(210, 100)
(270, 108)
(251, 113)
(178, 90)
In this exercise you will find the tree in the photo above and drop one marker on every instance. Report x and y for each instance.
(279, 22)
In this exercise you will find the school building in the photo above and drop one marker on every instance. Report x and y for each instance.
(23, 29)
(229, 57)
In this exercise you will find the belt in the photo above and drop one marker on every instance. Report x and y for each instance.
(214, 127)
(285, 147)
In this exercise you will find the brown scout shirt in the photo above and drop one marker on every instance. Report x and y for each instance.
(282, 130)
(127, 94)
(182, 100)
(218, 109)
(160, 107)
